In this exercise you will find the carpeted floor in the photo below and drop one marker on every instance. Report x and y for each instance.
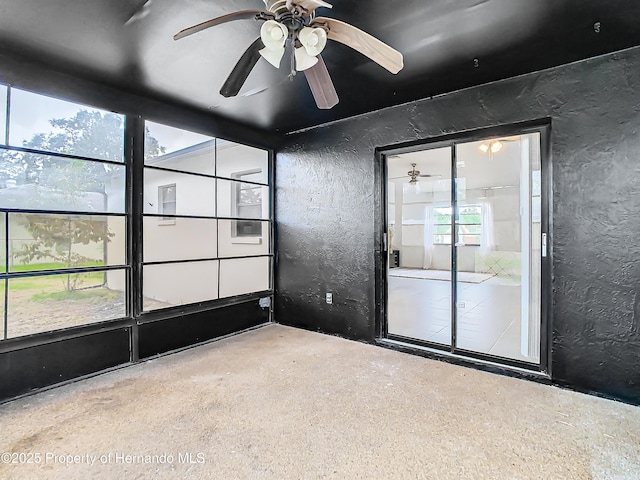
(281, 403)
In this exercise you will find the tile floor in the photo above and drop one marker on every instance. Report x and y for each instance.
(488, 315)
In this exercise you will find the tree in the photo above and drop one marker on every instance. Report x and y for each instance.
(89, 134)
(54, 237)
(66, 183)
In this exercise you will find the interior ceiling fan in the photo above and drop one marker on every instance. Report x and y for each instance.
(495, 145)
(414, 174)
(294, 23)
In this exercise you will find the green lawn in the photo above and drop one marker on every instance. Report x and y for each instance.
(55, 283)
(36, 267)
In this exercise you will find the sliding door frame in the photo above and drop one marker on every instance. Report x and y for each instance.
(543, 127)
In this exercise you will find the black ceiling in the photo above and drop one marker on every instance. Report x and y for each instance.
(128, 44)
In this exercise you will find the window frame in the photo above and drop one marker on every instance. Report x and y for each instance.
(458, 225)
(236, 191)
(225, 209)
(50, 267)
(170, 218)
(131, 207)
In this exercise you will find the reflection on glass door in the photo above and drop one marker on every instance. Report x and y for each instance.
(498, 247)
(419, 220)
(490, 229)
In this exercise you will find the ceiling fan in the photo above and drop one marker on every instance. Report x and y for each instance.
(495, 145)
(414, 175)
(295, 22)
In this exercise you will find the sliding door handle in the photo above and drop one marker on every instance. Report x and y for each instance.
(544, 245)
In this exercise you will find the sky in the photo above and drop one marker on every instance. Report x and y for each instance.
(30, 114)
(175, 139)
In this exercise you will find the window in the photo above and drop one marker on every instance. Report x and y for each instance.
(167, 201)
(469, 225)
(62, 204)
(220, 244)
(247, 201)
(65, 251)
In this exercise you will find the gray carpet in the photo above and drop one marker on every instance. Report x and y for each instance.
(281, 403)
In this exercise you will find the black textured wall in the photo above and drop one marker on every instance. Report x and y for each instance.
(28, 369)
(325, 211)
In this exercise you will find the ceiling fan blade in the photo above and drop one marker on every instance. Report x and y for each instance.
(239, 15)
(353, 37)
(241, 71)
(321, 85)
(309, 5)
(409, 176)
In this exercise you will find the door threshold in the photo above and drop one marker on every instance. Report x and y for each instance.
(441, 355)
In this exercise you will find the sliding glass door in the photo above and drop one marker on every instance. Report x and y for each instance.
(419, 195)
(467, 235)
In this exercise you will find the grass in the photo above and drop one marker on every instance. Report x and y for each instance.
(53, 287)
(55, 281)
(41, 303)
(36, 267)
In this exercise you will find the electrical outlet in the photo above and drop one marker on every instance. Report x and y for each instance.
(329, 298)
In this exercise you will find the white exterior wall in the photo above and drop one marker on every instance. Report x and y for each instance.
(234, 158)
(187, 238)
(179, 239)
(194, 195)
(180, 283)
(244, 275)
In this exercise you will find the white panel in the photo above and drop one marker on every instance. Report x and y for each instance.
(244, 275)
(413, 235)
(411, 257)
(178, 239)
(3, 113)
(525, 229)
(179, 284)
(234, 246)
(117, 244)
(413, 213)
(441, 257)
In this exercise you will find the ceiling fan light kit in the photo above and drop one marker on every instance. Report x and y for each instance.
(274, 36)
(304, 61)
(313, 40)
(294, 22)
(492, 146)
